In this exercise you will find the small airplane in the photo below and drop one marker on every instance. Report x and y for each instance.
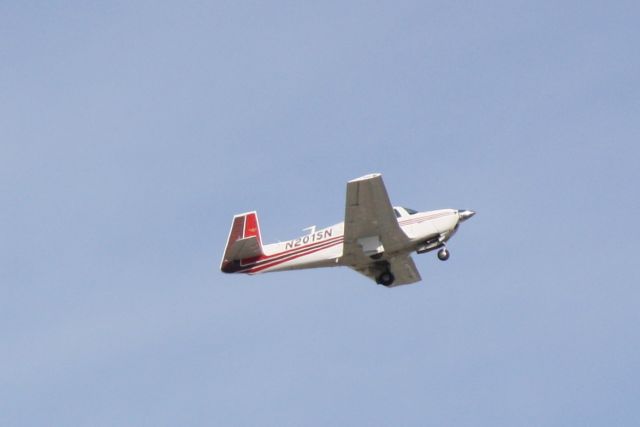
(375, 239)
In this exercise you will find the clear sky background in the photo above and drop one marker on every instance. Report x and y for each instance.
(131, 132)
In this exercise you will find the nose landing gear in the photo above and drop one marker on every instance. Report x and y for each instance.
(443, 254)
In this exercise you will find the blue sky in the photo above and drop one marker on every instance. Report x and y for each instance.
(132, 132)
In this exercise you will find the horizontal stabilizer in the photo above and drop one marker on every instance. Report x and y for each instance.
(248, 247)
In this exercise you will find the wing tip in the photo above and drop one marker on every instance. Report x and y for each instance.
(367, 177)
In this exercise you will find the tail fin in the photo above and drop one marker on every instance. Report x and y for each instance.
(244, 243)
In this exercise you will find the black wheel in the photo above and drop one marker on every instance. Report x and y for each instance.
(386, 278)
(443, 254)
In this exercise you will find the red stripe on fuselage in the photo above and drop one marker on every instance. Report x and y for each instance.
(291, 257)
(273, 257)
(412, 221)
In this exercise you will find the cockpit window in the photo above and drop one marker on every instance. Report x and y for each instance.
(411, 211)
(397, 213)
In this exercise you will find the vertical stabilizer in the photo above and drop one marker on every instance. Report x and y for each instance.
(244, 242)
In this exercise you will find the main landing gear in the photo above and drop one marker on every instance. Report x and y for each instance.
(386, 278)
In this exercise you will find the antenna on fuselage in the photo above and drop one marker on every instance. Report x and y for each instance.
(311, 229)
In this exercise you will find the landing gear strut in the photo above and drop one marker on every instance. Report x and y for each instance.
(386, 278)
(443, 254)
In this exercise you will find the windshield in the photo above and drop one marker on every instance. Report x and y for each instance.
(411, 211)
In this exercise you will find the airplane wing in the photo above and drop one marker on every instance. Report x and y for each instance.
(370, 225)
(371, 228)
(402, 267)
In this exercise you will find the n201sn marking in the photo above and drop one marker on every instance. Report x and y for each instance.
(309, 238)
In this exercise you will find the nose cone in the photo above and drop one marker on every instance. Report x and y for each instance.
(465, 214)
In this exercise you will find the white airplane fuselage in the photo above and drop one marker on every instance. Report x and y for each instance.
(323, 248)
